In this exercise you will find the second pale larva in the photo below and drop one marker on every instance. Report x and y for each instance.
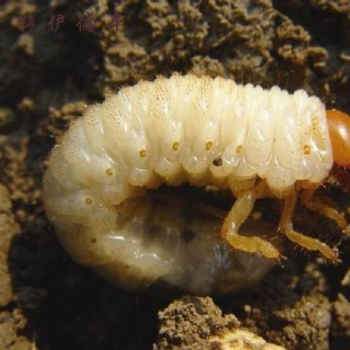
(200, 131)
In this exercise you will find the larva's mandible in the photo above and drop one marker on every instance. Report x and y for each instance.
(187, 129)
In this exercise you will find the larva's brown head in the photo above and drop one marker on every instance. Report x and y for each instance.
(339, 132)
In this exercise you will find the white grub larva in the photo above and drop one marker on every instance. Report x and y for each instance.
(186, 129)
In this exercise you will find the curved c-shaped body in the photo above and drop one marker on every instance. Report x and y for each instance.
(186, 129)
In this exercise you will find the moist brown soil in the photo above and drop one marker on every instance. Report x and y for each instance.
(46, 79)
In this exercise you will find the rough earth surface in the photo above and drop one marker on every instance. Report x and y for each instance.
(47, 78)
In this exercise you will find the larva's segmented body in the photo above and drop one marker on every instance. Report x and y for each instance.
(187, 129)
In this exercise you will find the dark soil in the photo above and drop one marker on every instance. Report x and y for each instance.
(46, 79)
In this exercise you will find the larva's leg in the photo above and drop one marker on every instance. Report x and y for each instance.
(286, 227)
(310, 201)
(233, 221)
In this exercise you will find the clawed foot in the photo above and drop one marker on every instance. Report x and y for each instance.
(313, 244)
(254, 245)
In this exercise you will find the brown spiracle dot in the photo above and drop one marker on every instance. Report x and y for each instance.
(176, 146)
(88, 201)
(143, 153)
(239, 149)
(307, 149)
(208, 145)
(109, 171)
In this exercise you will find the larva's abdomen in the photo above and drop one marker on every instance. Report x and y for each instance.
(202, 131)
